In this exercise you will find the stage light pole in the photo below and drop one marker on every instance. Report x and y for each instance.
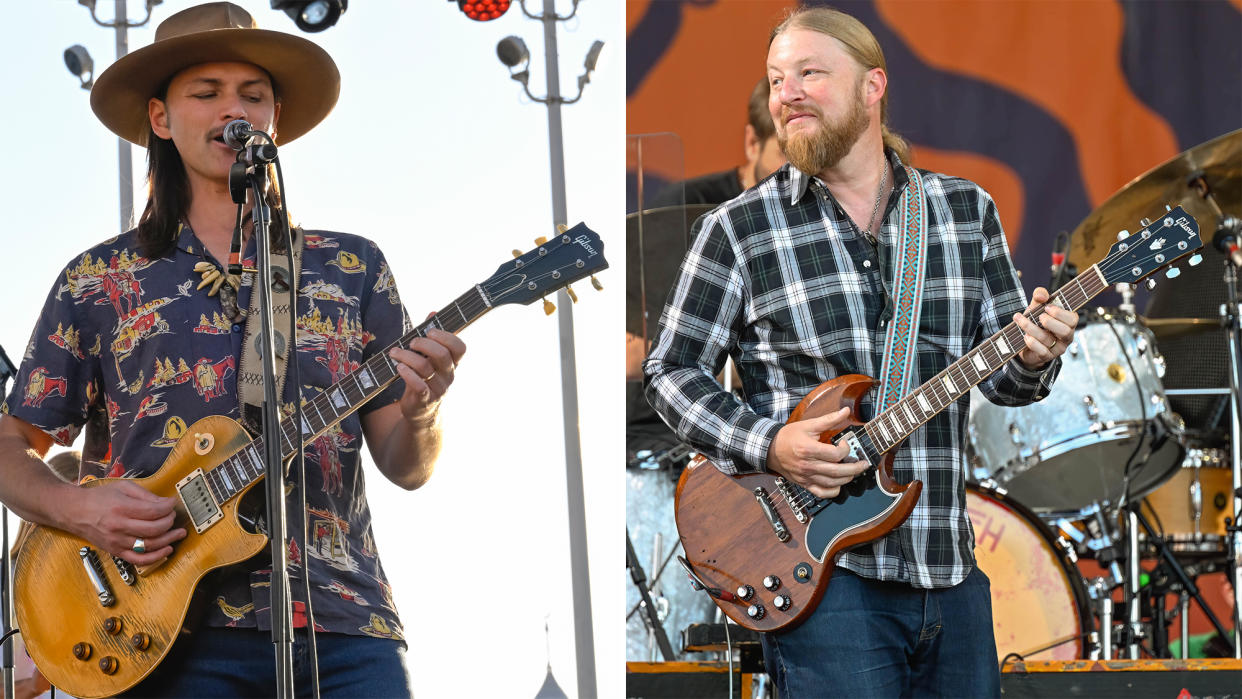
(121, 24)
(512, 52)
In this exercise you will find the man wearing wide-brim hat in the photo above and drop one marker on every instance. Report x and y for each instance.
(151, 328)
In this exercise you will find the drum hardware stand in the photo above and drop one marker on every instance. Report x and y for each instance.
(1102, 646)
(1170, 563)
(654, 626)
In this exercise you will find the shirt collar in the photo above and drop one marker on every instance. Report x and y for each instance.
(800, 182)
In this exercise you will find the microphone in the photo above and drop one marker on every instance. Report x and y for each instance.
(1226, 238)
(236, 133)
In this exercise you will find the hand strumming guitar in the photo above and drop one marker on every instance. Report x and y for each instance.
(797, 454)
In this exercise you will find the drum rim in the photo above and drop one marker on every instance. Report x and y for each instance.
(1078, 586)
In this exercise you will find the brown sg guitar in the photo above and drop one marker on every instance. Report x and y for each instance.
(95, 626)
(764, 548)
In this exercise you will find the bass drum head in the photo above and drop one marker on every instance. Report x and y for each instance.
(1038, 596)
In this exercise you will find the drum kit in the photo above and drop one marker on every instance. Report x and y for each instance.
(1131, 461)
(1106, 467)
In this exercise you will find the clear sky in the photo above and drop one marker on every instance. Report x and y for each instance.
(434, 153)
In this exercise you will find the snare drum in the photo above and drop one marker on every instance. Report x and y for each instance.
(1192, 506)
(1038, 597)
(1070, 450)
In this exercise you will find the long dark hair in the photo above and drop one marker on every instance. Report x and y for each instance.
(168, 197)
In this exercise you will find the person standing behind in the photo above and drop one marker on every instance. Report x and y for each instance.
(794, 280)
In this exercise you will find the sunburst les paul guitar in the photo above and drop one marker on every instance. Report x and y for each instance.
(95, 626)
(764, 548)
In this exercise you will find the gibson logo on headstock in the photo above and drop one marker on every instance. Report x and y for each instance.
(585, 242)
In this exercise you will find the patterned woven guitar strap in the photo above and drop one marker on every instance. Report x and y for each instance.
(250, 375)
(908, 275)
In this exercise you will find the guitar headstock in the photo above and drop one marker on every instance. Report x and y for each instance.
(1159, 244)
(572, 255)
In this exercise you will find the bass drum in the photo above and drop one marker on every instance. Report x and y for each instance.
(1038, 597)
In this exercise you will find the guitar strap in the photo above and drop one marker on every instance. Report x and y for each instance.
(250, 374)
(909, 269)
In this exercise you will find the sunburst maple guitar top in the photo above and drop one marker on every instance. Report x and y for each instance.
(95, 626)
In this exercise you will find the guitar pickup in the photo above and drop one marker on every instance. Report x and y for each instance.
(769, 511)
(198, 501)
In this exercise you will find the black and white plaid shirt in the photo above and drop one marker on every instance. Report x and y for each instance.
(780, 279)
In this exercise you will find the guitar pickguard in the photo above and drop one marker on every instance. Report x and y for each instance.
(846, 513)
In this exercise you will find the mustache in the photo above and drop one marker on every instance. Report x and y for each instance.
(788, 112)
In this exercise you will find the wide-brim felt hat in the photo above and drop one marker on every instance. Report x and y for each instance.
(305, 78)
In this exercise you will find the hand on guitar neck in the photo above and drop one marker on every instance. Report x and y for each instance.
(1048, 338)
(798, 454)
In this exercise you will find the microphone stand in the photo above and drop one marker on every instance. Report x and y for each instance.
(7, 371)
(255, 177)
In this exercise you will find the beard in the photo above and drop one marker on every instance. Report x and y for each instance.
(823, 148)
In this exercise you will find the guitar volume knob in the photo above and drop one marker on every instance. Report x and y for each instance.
(113, 625)
(771, 582)
(745, 592)
(108, 665)
(782, 602)
(140, 641)
(82, 651)
(755, 611)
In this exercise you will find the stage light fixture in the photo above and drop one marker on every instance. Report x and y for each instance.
(79, 62)
(512, 52)
(312, 15)
(483, 10)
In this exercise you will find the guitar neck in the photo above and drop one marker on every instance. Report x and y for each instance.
(341, 399)
(898, 421)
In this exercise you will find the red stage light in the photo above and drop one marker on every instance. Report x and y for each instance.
(483, 10)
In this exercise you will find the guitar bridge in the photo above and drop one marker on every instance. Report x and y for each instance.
(791, 498)
(198, 501)
(774, 519)
(95, 572)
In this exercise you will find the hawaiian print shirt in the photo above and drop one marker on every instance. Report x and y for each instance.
(137, 338)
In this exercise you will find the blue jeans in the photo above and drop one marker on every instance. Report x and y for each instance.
(878, 639)
(221, 662)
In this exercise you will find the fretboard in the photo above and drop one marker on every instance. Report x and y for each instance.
(340, 399)
(896, 423)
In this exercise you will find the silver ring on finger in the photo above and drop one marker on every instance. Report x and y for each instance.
(140, 546)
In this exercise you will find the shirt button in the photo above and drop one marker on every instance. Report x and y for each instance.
(237, 327)
(867, 264)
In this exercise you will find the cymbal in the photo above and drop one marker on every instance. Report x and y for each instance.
(1164, 328)
(1219, 160)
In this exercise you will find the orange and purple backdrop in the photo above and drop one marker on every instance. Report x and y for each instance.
(1052, 106)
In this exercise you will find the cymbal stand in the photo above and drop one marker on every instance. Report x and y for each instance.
(1228, 233)
(652, 618)
(1232, 312)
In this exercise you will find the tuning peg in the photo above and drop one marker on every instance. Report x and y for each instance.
(1173, 273)
(1194, 260)
(561, 228)
(1150, 284)
(572, 296)
(595, 283)
(517, 253)
(1167, 207)
(1123, 234)
(1144, 222)
(548, 307)
(541, 240)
